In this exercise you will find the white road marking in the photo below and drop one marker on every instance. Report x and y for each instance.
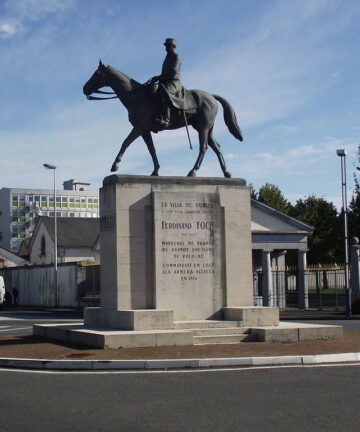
(11, 328)
(212, 370)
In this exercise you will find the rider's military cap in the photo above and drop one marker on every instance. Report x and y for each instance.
(170, 41)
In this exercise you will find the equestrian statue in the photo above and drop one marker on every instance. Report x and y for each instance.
(162, 103)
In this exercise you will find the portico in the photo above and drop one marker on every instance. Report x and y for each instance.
(273, 234)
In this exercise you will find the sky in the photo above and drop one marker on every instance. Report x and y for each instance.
(289, 68)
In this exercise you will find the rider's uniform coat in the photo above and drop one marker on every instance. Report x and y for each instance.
(171, 85)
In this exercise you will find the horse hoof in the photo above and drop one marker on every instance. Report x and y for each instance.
(115, 167)
(192, 173)
(154, 173)
(227, 174)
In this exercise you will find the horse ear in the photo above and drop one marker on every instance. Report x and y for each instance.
(101, 64)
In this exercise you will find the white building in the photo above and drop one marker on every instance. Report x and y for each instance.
(9, 259)
(77, 240)
(19, 209)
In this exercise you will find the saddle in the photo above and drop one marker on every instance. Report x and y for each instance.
(180, 102)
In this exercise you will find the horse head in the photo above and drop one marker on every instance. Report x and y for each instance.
(97, 80)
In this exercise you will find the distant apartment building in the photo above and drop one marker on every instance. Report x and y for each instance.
(19, 209)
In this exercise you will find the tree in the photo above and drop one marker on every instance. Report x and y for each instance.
(253, 193)
(325, 243)
(271, 195)
(354, 215)
(356, 175)
(354, 205)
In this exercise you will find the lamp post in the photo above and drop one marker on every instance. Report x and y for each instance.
(342, 154)
(53, 167)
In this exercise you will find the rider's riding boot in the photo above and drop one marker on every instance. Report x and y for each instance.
(165, 116)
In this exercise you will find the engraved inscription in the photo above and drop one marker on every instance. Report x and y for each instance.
(189, 244)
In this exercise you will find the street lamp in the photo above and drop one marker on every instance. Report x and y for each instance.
(342, 154)
(53, 167)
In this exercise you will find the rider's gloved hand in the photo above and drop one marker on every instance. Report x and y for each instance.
(152, 80)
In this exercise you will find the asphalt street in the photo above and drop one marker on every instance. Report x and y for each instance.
(20, 323)
(278, 399)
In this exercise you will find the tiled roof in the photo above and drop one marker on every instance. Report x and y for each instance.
(73, 232)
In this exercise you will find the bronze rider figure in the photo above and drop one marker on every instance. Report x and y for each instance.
(171, 91)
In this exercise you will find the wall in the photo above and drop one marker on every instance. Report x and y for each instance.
(76, 254)
(36, 284)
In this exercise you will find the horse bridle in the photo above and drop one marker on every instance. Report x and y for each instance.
(109, 93)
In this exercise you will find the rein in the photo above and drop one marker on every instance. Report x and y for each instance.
(101, 92)
(109, 93)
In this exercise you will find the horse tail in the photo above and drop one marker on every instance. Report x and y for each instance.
(230, 118)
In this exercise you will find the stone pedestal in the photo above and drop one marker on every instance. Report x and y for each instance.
(175, 267)
(175, 244)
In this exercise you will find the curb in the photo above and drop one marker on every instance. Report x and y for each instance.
(164, 364)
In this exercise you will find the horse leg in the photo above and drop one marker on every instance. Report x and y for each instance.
(128, 140)
(203, 135)
(217, 149)
(150, 145)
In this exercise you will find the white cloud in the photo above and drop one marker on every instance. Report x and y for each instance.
(10, 28)
(33, 10)
(19, 14)
(279, 68)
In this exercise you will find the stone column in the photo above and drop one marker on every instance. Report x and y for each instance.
(355, 267)
(302, 281)
(279, 291)
(267, 289)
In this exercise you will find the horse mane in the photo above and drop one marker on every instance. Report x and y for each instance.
(122, 76)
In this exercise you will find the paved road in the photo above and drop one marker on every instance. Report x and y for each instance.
(321, 317)
(348, 324)
(20, 323)
(281, 400)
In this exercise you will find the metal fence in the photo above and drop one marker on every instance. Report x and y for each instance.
(325, 287)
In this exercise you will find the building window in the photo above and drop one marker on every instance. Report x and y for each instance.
(58, 201)
(43, 247)
(14, 200)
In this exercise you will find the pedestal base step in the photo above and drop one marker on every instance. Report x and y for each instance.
(206, 324)
(199, 334)
(109, 338)
(224, 339)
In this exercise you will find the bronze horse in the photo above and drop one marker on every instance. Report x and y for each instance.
(142, 109)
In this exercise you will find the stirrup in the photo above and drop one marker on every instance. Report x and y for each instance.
(164, 122)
